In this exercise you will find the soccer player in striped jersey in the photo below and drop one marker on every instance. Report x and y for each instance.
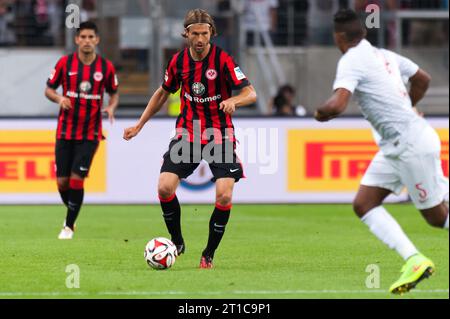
(410, 149)
(84, 76)
(207, 75)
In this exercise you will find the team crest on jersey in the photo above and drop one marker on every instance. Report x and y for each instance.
(85, 86)
(98, 76)
(211, 74)
(198, 88)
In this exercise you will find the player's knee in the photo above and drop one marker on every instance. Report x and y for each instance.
(361, 207)
(224, 199)
(165, 191)
(63, 184)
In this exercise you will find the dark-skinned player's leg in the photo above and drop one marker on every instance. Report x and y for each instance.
(219, 219)
(437, 216)
(368, 206)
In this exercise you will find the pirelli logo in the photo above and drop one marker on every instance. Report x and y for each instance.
(335, 160)
(27, 163)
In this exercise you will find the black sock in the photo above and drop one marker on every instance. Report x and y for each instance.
(64, 196)
(172, 216)
(73, 206)
(217, 223)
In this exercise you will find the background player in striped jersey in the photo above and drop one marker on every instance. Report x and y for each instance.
(207, 75)
(410, 149)
(84, 76)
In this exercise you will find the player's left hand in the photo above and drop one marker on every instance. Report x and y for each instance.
(228, 107)
(110, 111)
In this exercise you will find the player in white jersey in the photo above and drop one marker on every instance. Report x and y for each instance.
(410, 149)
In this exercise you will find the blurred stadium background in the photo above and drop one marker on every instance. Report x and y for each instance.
(139, 36)
(278, 43)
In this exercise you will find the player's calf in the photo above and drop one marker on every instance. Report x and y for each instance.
(217, 224)
(172, 217)
(75, 201)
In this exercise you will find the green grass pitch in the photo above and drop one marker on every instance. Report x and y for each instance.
(269, 251)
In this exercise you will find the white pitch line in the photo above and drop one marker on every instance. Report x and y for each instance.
(235, 292)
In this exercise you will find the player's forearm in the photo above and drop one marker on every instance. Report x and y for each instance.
(52, 95)
(154, 106)
(335, 105)
(328, 111)
(420, 83)
(246, 97)
(113, 101)
(417, 92)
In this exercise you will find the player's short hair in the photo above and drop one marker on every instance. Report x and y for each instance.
(196, 16)
(347, 21)
(87, 25)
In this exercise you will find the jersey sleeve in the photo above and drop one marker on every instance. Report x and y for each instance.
(171, 84)
(112, 82)
(55, 78)
(234, 74)
(407, 67)
(348, 75)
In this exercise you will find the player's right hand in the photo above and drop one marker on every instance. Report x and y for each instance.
(130, 132)
(65, 103)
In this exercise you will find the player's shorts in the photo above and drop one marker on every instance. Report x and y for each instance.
(183, 158)
(418, 168)
(74, 157)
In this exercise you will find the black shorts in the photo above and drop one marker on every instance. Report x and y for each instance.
(74, 157)
(222, 160)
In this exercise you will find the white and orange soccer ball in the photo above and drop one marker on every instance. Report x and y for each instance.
(160, 253)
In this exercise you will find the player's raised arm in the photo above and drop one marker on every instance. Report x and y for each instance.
(333, 106)
(154, 106)
(247, 96)
(420, 82)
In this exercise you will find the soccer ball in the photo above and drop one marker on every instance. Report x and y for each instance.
(160, 253)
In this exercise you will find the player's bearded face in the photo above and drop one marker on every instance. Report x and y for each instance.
(87, 41)
(199, 36)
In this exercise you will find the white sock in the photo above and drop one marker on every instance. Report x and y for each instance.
(446, 224)
(386, 228)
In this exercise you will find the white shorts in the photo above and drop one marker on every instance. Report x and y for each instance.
(418, 168)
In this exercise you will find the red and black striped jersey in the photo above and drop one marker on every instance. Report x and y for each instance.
(84, 85)
(204, 85)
